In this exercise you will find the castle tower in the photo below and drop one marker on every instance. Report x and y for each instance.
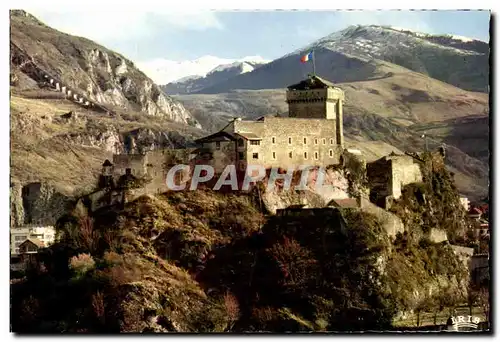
(106, 177)
(316, 98)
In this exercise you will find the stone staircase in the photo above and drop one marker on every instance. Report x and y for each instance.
(28, 66)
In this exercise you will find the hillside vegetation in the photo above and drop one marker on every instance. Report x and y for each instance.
(68, 152)
(87, 68)
(211, 262)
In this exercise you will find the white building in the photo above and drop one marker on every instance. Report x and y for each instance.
(465, 202)
(18, 235)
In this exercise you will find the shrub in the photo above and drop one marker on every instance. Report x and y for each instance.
(98, 304)
(294, 262)
(232, 308)
(82, 263)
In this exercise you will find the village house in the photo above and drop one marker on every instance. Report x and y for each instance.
(18, 235)
(27, 254)
(475, 213)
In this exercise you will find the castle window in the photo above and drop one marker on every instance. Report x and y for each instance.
(316, 155)
(241, 155)
(255, 156)
(217, 145)
(315, 141)
(324, 141)
(241, 142)
(254, 142)
(290, 154)
(289, 141)
(331, 141)
(305, 141)
(274, 140)
(331, 153)
(305, 155)
(274, 155)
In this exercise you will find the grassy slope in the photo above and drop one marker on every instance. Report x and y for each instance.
(404, 96)
(173, 256)
(38, 153)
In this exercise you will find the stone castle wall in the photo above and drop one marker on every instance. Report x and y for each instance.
(389, 174)
(135, 162)
(391, 223)
(220, 157)
(153, 164)
(315, 103)
(405, 170)
(283, 144)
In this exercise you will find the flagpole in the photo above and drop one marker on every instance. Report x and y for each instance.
(314, 64)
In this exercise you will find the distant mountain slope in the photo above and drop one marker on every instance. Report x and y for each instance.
(219, 74)
(91, 70)
(470, 134)
(164, 71)
(394, 109)
(402, 96)
(354, 53)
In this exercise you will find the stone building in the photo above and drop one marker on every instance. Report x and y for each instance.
(480, 268)
(18, 235)
(389, 174)
(464, 201)
(151, 166)
(312, 134)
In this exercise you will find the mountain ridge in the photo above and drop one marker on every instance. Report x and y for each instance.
(101, 75)
(165, 71)
(363, 47)
(215, 76)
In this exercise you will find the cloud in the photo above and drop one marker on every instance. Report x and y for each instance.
(163, 71)
(106, 25)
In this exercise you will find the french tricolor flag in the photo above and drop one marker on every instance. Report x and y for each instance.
(307, 58)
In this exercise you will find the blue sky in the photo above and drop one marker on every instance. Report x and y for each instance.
(171, 44)
(142, 36)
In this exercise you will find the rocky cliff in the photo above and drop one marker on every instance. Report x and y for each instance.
(73, 105)
(61, 147)
(90, 70)
(37, 203)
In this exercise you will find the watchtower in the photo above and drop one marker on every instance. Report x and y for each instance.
(317, 98)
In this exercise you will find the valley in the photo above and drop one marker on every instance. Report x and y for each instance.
(395, 122)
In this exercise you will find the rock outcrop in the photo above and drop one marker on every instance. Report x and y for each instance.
(92, 73)
(37, 203)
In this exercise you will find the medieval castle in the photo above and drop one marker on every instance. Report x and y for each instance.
(312, 134)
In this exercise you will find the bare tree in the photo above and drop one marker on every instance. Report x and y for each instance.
(232, 309)
(483, 299)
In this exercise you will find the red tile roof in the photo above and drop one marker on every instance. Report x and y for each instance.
(344, 203)
(35, 241)
(475, 211)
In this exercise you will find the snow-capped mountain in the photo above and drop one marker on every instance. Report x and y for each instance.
(164, 71)
(379, 41)
(217, 75)
(355, 53)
